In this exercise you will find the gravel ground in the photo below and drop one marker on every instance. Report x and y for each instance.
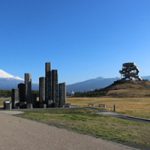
(21, 134)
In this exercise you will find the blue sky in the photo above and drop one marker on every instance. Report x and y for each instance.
(83, 39)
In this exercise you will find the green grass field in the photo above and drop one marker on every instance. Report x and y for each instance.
(139, 107)
(85, 121)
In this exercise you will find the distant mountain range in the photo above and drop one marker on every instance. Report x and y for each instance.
(90, 85)
(8, 81)
(93, 84)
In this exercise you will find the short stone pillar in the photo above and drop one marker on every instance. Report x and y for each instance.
(7, 105)
(114, 108)
(62, 94)
(29, 106)
(14, 98)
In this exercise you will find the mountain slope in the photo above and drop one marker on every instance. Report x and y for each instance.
(8, 84)
(90, 85)
(120, 89)
(124, 89)
(93, 84)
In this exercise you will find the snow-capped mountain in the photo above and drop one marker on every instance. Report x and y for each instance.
(5, 75)
(9, 81)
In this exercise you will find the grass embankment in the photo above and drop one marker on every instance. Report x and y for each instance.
(87, 122)
(139, 107)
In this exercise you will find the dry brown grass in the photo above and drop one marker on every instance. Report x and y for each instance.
(128, 89)
(2, 99)
(139, 107)
(129, 93)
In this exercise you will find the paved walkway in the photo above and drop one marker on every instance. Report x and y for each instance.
(21, 134)
(122, 116)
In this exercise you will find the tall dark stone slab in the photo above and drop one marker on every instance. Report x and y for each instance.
(22, 98)
(28, 88)
(14, 98)
(21, 89)
(55, 94)
(41, 91)
(34, 100)
(62, 94)
(48, 84)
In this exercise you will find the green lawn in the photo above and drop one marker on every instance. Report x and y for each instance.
(87, 122)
